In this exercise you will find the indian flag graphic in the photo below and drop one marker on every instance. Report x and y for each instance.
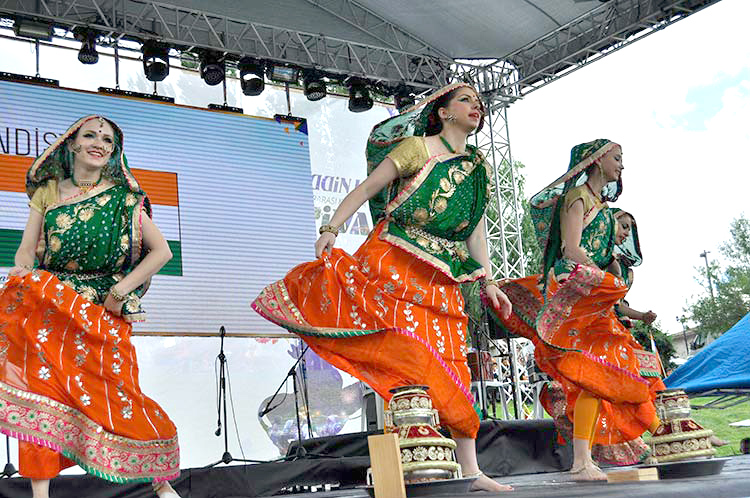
(160, 186)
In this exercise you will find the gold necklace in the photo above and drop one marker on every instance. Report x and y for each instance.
(85, 185)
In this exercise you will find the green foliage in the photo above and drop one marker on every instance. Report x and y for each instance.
(532, 252)
(641, 331)
(714, 315)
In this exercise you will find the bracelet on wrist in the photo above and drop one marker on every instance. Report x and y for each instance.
(116, 295)
(328, 228)
(490, 281)
(26, 267)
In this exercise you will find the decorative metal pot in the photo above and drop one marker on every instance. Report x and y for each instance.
(426, 455)
(679, 437)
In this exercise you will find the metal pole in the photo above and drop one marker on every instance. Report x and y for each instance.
(704, 255)
(117, 67)
(288, 99)
(37, 57)
(684, 336)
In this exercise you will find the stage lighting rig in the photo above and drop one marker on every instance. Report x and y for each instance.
(33, 29)
(212, 68)
(359, 95)
(403, 98)
(283, 73)
(155, 60)
(87, 54)
(251, 76)
(314, 86)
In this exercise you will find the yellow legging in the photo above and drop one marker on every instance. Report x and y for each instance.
(586, 414)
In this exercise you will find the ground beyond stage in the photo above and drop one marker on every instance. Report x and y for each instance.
(523, 452)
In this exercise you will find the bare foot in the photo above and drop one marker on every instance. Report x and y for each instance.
(165, 490)
(715, 441)
(588, 472)
(484, 483)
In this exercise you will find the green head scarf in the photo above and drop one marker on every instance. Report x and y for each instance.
(629, 252)
(547, 204)
(386, 135)
(56, 162)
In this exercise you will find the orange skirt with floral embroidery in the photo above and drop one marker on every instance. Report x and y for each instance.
(581, 344)
(69, 388)
(386, 318)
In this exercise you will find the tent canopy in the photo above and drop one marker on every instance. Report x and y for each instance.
(458, 30)
(723, 364)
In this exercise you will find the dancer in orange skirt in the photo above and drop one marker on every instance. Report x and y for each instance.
(605, 382)
(392, 313)
(68, 373)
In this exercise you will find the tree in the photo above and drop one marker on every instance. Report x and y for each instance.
(641, 332)
(714, 315)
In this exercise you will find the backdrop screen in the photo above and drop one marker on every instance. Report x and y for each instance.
(231, 193)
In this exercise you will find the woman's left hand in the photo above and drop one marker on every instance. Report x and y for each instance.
(499, 300)
(113, 305)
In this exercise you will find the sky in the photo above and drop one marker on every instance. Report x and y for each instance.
(678, 101)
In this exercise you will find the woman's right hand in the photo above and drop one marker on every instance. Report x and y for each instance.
(324, 244)
(18, 271)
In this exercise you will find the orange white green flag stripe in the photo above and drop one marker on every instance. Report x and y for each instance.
(160, 186)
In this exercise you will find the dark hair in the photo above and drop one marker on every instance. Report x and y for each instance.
(434, 124)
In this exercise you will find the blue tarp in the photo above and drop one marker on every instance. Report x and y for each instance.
(723, 364)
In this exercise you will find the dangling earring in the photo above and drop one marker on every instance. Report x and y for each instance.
(450, 117)
(76, 148)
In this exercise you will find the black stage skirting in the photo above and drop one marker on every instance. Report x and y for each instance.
(505, 448)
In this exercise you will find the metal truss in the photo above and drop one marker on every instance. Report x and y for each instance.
(376, 26)
(520, 385)
(503, 220)
(588, 38)
(188, 29)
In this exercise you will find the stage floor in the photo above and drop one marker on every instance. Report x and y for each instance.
(733, 482)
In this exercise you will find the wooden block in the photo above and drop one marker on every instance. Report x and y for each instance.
(647, 474)
(385, 461)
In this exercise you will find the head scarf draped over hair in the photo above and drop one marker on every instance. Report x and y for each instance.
(546, 205)
(629, 252)
(56, 162)
(386, 135)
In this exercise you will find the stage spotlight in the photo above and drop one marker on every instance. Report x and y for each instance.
(251, 76)
(359, 95)
(155, 60)
(403, 98)
(212, 68)
(284, 74)
(33, 29)
(87, 37)
(314, 86)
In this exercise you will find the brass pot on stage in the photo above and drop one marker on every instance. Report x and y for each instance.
(679, 437)
(426, 455)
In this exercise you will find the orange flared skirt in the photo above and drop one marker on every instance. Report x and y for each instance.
(582, 346)
(69, 388)
(385, 317)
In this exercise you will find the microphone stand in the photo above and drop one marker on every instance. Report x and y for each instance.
(226, 457)
(9, 469)
(299, 451)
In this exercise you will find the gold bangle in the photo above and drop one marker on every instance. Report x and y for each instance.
(26, 267)
(491, 281)
(328, 228)
(116, 295)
